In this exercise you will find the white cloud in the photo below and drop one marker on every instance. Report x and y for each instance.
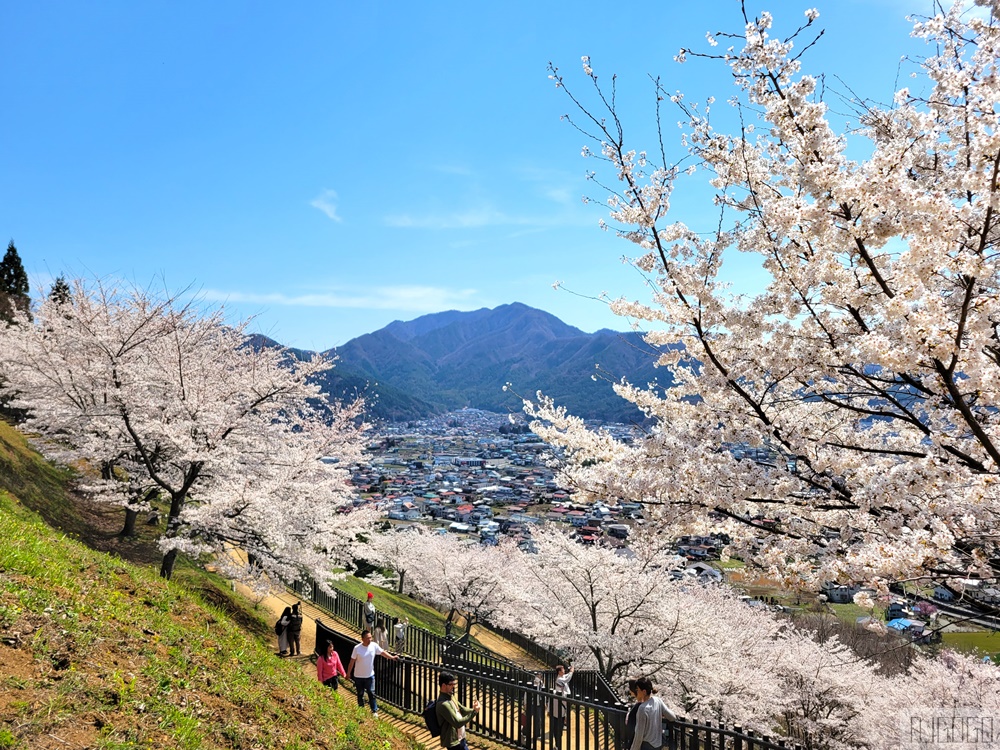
(327, 203)
(471, 219)
(484, 217)
(554, 184)
(409, 298)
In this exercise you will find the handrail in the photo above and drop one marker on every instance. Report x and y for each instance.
(520, 715)
(420, 643)
(517, 714)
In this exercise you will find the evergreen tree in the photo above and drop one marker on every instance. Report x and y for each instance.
(13, 284)
(60, 292)
(13, 296)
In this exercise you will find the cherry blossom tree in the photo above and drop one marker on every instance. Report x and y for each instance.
(716, 658)
(392, 549)
(868, 370)
(601, 606)
(459, 576)
(172, 402)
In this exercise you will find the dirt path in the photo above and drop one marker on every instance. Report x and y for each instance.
(506, 649)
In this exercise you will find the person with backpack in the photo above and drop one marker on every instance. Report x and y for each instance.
(295, 631)
(281, 630)
(629, 732)
(451, 715)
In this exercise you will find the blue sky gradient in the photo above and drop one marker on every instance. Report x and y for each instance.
(329, 167)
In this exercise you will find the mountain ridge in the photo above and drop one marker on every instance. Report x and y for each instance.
(448, 360)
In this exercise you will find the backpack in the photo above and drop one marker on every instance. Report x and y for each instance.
(431, 718)
(277, 627)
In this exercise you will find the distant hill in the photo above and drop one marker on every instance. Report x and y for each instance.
(453, 359)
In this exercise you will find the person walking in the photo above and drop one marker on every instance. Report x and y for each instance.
(559, 707)
(281, 630)
(329, 667)
(362, 669)
(649, 717)
(295, 631)
(452, 716)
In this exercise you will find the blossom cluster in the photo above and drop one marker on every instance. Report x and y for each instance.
(868, 369)
(170, 405)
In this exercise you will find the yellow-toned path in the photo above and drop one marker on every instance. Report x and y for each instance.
(409, 724)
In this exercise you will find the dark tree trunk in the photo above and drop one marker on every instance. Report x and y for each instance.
(167, 566)
(129, 528)
(402, 575)
(173, 522)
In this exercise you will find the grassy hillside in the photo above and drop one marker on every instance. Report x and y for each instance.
(98, 652)
(391, 604)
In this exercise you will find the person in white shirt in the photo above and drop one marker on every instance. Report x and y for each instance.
(361, 668)
(649, 717)
(559, 707)
(400, 630)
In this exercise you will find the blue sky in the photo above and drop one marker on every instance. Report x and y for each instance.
(330, 167)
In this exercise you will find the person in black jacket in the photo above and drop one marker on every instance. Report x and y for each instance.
(295, 630)
(629, 733)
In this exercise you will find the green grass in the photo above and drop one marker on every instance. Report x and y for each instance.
(977, 641)
(395, 605)
(849, 612)
(36, 483)
(730, 564)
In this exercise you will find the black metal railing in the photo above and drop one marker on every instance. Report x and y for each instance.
(691, 734)
(543, 654)
(515, 713)
(586, 683)
(419, 642)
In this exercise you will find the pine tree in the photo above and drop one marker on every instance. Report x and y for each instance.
(60, 292)
(13, 296)
(13, 284)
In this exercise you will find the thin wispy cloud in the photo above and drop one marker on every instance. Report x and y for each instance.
(562, 195)
(553, 184)
(327, 203)
(409, 298)
(480, 218)
(470, 219)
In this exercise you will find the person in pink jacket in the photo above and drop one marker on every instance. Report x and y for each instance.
(329, 666)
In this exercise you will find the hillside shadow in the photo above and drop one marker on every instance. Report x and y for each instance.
(45, 489)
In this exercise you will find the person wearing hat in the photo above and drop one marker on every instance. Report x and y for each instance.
(369, 613)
